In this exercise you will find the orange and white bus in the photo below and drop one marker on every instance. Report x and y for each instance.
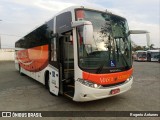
(82, 53)
(141, 55)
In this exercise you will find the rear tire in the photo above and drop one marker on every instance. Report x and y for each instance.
(20, 72)
(47, 79)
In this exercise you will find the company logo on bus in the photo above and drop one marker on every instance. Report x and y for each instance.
(106, 80)
(113, 79)
(115, 70)
(33, 59)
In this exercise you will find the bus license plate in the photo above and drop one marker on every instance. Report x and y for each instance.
(115, 91)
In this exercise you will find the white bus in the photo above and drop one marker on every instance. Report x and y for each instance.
(153, 55)
(141, 55)
(82, 53)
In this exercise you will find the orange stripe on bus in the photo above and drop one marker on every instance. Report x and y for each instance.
(106, 79)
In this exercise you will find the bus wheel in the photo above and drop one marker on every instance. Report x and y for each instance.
(47, 79)
(20, 72)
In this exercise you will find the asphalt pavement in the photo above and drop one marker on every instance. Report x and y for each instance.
(22, 93)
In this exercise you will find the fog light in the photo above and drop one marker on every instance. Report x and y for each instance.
(95, 85)
(128, 79)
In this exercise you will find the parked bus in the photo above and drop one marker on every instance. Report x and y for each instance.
(153, 55)
(141, 55)
(82, 53)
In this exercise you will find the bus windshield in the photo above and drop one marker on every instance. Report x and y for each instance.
(142, 54)
(154, 54)
(110, 46)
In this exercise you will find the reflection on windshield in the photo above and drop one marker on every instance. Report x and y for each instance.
(110, 46)
(155, 55)
(142, 55)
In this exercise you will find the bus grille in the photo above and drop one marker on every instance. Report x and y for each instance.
(111, 85)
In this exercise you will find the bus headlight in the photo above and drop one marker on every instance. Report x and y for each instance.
(89, 83)
(128, 79)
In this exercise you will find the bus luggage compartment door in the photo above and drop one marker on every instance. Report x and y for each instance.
(54, 82)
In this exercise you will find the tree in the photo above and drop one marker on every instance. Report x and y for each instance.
(151, 46)
(137, 48)
(145, 48)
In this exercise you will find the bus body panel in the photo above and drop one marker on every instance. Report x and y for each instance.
(85, 93)
(53, 79)
(154, 59)
(40, 76)
(107, 79)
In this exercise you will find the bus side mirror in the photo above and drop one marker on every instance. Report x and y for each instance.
(137, 32)
(55, 35)
(141, 32)
(80, 23)
(86, 30)
(88, 34)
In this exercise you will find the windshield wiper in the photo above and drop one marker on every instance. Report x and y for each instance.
(103, 63)
(101, 66)
(127, 65)
(123, 57)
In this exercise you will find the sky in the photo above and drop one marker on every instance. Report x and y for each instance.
(19, 17)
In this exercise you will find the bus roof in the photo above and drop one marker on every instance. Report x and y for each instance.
(85, 7)
(72, 8)
(153, 50)
(141, 51)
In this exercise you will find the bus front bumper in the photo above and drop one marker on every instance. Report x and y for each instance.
(85, 93)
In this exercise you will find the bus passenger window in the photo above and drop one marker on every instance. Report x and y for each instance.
(53, 50)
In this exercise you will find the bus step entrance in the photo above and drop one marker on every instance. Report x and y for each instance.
(70, 86)
(69, 91)
(69, 94)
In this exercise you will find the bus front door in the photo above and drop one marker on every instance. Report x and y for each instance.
(67, 64)
(54, 75)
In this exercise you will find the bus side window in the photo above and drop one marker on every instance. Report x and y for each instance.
(53, 50)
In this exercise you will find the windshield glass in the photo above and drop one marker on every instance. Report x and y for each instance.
(155, 54)
(110, 46)
(142, 54)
